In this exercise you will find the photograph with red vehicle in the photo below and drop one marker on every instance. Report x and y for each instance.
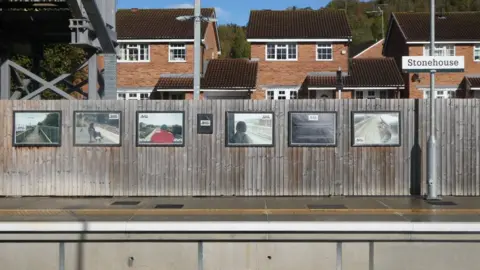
(160, 128)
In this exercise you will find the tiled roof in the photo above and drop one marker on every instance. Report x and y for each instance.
(220, 74)
(231, 73)
(157, 23)
(454, 26)
(380, 72)
(298, 24)
(175, 83)
(368, 72)
(473, 81)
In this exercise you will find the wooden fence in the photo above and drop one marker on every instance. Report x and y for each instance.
(205, 167)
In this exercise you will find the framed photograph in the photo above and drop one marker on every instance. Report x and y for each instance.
(205, 123)
(379, 128)
(97, 128)
(312, 128)
(249, 129)
(160, 128)
(37, 128)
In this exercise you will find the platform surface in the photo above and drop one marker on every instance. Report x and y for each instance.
(348, 209)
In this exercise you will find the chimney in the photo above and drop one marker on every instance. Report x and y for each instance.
(134, 10)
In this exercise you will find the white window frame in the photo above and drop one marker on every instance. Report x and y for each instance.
(371, 94)
(281, 92)
(170, 48)
(325, 46)
(476, 52)
(440, 48)
(443, 95)
(124, 52)
(276, 48)
(125, 94)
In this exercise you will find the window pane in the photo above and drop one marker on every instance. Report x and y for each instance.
(281, 53)
(293, 95)
(270, 51)
(292, 51)
(359, 94)
(324, 51)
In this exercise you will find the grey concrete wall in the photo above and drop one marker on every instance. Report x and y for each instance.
(239, 256)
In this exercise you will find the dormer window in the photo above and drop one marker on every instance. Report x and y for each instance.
(281, 52)
(177, 52)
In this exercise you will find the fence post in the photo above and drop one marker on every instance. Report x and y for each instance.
(339, 255)
(61, 256)
(200, 255)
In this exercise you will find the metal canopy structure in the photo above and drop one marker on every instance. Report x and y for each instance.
(26, 26)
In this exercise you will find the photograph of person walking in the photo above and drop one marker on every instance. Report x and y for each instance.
(97, 128)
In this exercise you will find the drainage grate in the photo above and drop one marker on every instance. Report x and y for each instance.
(126, 203)
(435, 202)
(326, 206)
(169, 206)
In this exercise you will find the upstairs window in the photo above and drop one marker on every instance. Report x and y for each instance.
(177, 52)
(134, 52)
(324, 52)
(282, 52)
(476, 53)
(440, 50)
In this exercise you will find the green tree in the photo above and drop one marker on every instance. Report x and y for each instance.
(234, 41)
(57, 59)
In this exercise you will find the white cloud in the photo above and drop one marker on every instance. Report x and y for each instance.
(181, 6)
(222, 13)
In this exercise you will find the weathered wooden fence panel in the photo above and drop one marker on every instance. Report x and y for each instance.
(205, 167)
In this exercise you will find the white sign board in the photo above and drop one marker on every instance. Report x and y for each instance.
(437, 63)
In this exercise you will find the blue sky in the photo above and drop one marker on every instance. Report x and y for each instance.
(228, 11)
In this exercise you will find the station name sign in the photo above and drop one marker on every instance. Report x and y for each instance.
(437, 63)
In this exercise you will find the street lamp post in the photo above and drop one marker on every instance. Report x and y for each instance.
(197, 45)
(431, 145)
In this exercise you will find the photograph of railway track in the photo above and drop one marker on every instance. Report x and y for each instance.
(97, 128)
(249, 129)
(376, 129)
(37, 128)
(160, 128)
(312, 129)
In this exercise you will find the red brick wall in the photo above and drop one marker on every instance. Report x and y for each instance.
(373, 52)
(443, 79)
(147, 74)
(294, 72)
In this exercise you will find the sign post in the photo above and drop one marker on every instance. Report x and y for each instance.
(432, 64)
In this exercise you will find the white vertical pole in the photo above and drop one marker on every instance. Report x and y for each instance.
(432, 153)
(197, 51)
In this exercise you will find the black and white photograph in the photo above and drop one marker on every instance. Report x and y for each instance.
(249, 129)
(312, 128)
(376, 128)
(95, 128)
(37, 128)
(160, 128)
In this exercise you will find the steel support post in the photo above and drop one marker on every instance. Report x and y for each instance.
(92, 78)
(197, 51)
(4, 78)
(431, 146)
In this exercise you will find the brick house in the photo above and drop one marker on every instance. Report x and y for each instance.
(300, 51)
(153, 42)
(457, 34)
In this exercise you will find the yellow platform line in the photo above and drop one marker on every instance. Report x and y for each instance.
(207, 212)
